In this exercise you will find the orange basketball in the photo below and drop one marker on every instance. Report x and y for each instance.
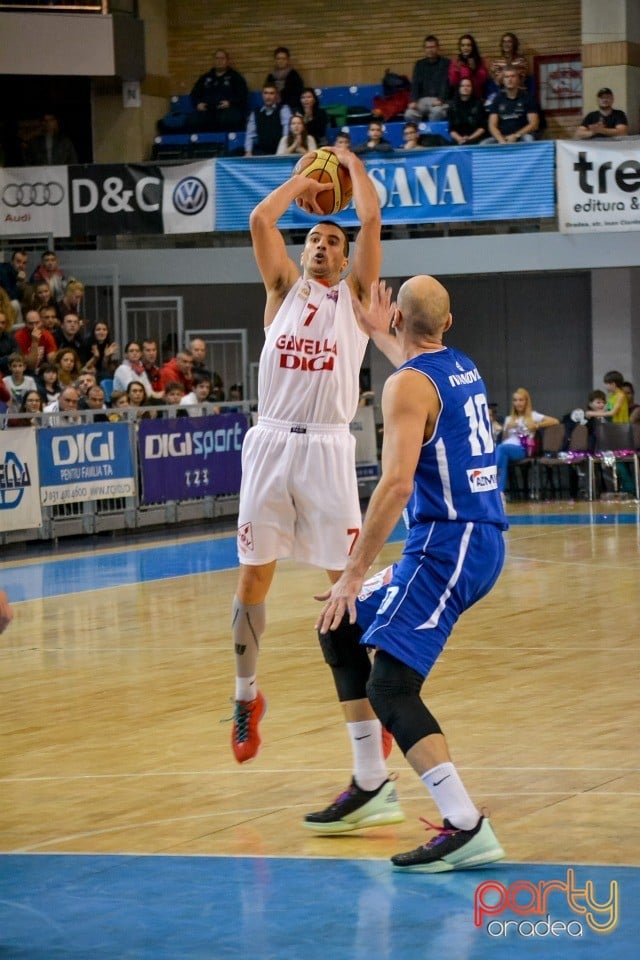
(324, 166)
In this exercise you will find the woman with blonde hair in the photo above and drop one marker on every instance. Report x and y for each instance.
(72, 300)
(518, 434)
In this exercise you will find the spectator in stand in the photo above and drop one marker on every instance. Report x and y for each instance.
(429, 84)
(66, 404)
(173, 394)
(179, 369)
(31, 403)
(83, 384)
(375, 142)
(297, 141)
(5, 396)
(200, 393)
(219, 98)
(343, 140)
(198, 350)
(513, 115)
(48, 383)
(469, 65)
(138, 397)
(49, 318)
(68, 333)
(131, 368)
(411, 137)
(521, 425)
(286, 80)
(315, 118)
(6, 307)
(13, 280)
(509, 57)
(119, 403)
(51, 148)
(68, 366)
(266, 126)
(50, 273)
(628, 388)
(617, 408)
(467, 117)
(96, 402)
(151, 368)
(99, 351)
(36, 343)
(8, 344)
(41, 296)
(605, 121)
(17, 383)
(71, 302)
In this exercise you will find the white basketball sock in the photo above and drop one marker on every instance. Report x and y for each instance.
(369, 767)
(454, 803)
(249, 622)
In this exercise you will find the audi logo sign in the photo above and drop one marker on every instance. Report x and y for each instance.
(38, 194)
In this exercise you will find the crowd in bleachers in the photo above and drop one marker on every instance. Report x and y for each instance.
(460, 100)
(53, 358)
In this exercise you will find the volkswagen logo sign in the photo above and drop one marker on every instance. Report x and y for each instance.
(190, 196)
(33, 194)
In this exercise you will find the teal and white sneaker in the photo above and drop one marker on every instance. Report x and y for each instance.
(452, 849)
(356, 808)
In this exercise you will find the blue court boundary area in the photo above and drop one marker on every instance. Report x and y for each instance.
(95, 571)
(182, 908)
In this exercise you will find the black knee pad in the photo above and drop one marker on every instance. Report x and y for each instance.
(394, 693)
(348, 660)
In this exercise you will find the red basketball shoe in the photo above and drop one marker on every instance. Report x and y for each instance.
(245, 736)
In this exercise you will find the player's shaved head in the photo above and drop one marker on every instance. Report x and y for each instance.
(424, 305)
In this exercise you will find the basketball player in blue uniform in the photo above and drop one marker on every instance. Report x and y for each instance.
(438, 464)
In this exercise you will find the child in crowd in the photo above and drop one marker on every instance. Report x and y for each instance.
(617, 405)
(17, 383)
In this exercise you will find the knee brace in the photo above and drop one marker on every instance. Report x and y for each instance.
(394, 693)
(348, 660)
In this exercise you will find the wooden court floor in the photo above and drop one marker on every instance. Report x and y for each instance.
(114, 706)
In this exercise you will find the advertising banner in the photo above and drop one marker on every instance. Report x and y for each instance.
(192, 457)
(505, 182)
(188, 198)
(34, 200)
(115, 198)
(143, 198)
(85, 462)
(598, 185)
(19, 480)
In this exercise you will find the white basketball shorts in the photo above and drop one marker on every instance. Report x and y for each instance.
(299, 494)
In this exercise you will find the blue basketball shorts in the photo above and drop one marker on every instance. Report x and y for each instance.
(445, 568)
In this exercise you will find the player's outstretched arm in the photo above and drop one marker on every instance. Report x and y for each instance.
(376, 318)
(277, 270)
(367, 254)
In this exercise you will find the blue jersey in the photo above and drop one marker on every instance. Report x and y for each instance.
(456, 476)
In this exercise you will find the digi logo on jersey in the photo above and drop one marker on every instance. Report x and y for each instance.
(304, 353)
(190, 196)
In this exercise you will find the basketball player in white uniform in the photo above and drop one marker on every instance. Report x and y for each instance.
(299, 495)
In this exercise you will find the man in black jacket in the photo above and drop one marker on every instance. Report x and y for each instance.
(221, 96)
(429, 85)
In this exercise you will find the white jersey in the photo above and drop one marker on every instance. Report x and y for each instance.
(311, 357)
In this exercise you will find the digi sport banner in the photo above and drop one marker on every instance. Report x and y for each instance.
(191, 457)
(598, 185)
